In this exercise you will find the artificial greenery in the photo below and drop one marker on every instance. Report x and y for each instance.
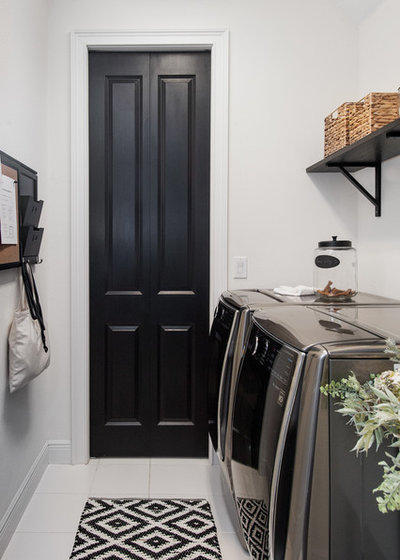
(374, 411)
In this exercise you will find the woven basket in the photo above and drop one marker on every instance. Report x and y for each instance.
(337, 130)
(372, 112)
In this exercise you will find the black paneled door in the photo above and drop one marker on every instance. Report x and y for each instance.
(149, 252)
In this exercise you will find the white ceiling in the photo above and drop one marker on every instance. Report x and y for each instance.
(357, 10)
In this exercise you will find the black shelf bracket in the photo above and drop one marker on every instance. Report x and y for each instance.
(375, 200)
(369, 151)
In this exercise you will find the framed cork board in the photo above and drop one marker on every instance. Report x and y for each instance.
(25, 181)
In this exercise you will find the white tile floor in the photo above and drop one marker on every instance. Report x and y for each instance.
(48, 526)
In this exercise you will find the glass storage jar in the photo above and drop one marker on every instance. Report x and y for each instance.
(335, 270)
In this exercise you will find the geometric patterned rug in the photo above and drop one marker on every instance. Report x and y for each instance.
(254, 521)
(146, 529)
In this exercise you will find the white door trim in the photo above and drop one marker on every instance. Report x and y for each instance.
(81, 42)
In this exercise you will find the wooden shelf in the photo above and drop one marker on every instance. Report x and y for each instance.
(378, 146)
(370, 151)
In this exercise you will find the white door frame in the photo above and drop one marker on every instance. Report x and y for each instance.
(81, 42)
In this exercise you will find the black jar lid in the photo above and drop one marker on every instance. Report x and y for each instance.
(334, 243)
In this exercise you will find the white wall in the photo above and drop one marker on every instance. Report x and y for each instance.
(291, 63)
(281, 87)
(23, 53)
(284, 78)
(379, 238)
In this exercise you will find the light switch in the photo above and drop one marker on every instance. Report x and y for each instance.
(240, 267)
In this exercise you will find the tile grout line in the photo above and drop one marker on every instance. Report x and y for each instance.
(97, 464)
(149, 483)
(25, 532)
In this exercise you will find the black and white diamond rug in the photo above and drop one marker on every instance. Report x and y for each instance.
(146, 529)
(254, 520)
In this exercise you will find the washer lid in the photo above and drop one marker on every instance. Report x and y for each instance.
(380, 320)
(252, 299)
(362, 298)
(303, 327)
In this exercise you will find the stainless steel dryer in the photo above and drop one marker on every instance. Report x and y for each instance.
(227, 344)
(300, 493)
(227, 339)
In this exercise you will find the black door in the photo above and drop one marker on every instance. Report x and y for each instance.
(149, 252)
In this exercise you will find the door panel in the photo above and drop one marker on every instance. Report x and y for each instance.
(179, 229)
(175, 355)
(175, 188)
(124, 188)
(149, 252)
(122, 373)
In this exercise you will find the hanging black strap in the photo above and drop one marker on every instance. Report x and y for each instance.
(32, 297)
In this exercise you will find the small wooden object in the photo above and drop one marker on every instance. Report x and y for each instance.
(330, 292)
(372, 112)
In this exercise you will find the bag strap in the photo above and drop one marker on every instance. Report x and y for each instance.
(28, 290)
(23, 300)
(32, 296)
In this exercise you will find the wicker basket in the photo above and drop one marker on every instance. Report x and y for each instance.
(372, 112)
(337, 130)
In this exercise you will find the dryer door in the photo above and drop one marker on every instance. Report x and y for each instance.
(261, 420)
(221, 335)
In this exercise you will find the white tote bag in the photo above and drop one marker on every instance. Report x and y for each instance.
(28, 353)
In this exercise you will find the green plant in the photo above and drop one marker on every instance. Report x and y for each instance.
(373, 409)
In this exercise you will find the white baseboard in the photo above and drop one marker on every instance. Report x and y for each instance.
(53, 452)
(21, 499)
(59, 452)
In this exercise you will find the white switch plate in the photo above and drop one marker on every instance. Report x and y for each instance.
(240, 267)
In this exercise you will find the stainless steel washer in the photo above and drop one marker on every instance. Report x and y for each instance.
(299, 491)
(228, 339)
